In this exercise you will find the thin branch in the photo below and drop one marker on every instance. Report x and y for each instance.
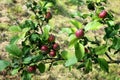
(58, 59)
(40, 26)
(50, 65)
(109, 57)
(115, 61)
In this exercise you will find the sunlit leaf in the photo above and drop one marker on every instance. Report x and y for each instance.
(79, 51)
(94, 25)
(3, 64)
(71, 61)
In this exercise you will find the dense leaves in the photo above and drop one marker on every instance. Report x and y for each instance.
(4, 64)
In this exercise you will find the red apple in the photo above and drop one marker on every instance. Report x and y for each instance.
(56, 46)
(44, 49)
(79, 33)
(48, 15)
(103, 14)
(52, 53)
(51, 38)
(32, 68)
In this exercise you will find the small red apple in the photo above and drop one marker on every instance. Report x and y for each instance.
(52, 53)
(103, 14)
(48, 15)
(79, 33)
(32, 68)
(56, 46)
(51, 38)
(44, 48)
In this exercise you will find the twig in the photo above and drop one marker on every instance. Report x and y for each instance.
(115, 61)
(50, 65)
(108, 56)
(40, 26)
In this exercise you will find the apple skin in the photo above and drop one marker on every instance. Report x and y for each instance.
(48, 15)
(32, 68)
(56, 46)
(52, 53)
(51, 38)
(44, 48)
(103, 14)
(79, 33)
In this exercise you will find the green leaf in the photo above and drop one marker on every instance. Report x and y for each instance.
(71, 61)
(46, 30)
(23, 32)
(30, 24)
(26, 75)
(41, 67)
(94, 25)
(66, 55)
(3, 64)
(49, 5)
(15, 29)
(73, 40)
(34, 37)
(81, 66)
(25, 49)
(14, 39)
(98, 1)
(15, 71)
(103, 64)
(111, 23)
(110, 32)
(88, 65)
(101, 49)
(14, 50)
(116, 43)
(77, 24)
(66, 30)
(27, 60)
(79, 51)
(37, 58)
(73, 29)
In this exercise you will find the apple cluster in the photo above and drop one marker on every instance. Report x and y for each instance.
(51, 48)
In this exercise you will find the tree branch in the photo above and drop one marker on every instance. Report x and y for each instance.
(109, 57)
(58, 59)
(114, 61)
